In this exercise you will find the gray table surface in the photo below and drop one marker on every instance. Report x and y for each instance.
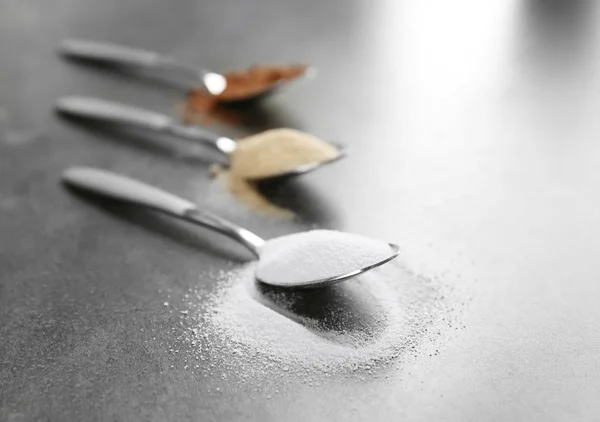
(473, 133)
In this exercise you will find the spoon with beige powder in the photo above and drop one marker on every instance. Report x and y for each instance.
(270, 154)
(302, 260)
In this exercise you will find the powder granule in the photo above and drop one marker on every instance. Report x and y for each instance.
(277, 151)
(301, 258)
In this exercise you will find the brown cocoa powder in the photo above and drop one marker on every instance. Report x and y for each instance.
(245, 83)
(203, 107)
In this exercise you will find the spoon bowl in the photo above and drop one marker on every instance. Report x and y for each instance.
(281, 261)
(292, 270)
(269, 90)
(306, 168)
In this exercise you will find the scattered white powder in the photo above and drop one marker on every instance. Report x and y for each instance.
(302, 258)
(249, 332)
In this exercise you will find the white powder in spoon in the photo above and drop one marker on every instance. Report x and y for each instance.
(302, 258)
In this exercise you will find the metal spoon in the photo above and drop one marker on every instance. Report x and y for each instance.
(121, 188)
(115, 113)
(118, 55)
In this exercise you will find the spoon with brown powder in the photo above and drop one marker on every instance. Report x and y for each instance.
(270, 154)
(237, 86)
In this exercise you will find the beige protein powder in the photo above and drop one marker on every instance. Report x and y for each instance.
(277, 151)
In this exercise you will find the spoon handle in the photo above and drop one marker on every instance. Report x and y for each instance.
(110, 112)
(124, 115)
(121, 188)
(119, 55)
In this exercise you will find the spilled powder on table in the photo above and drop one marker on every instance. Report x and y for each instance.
(202, 108)
(248, 193)
(251, 332)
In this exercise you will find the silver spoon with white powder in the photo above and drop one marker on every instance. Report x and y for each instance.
(302, 260)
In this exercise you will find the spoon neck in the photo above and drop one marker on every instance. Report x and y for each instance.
(221, 144)
(244, 237)
(169, 64)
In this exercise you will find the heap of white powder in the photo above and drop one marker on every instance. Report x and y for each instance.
(250, 332)
(302, 258)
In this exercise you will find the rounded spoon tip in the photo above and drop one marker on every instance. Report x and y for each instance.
(342, 151)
